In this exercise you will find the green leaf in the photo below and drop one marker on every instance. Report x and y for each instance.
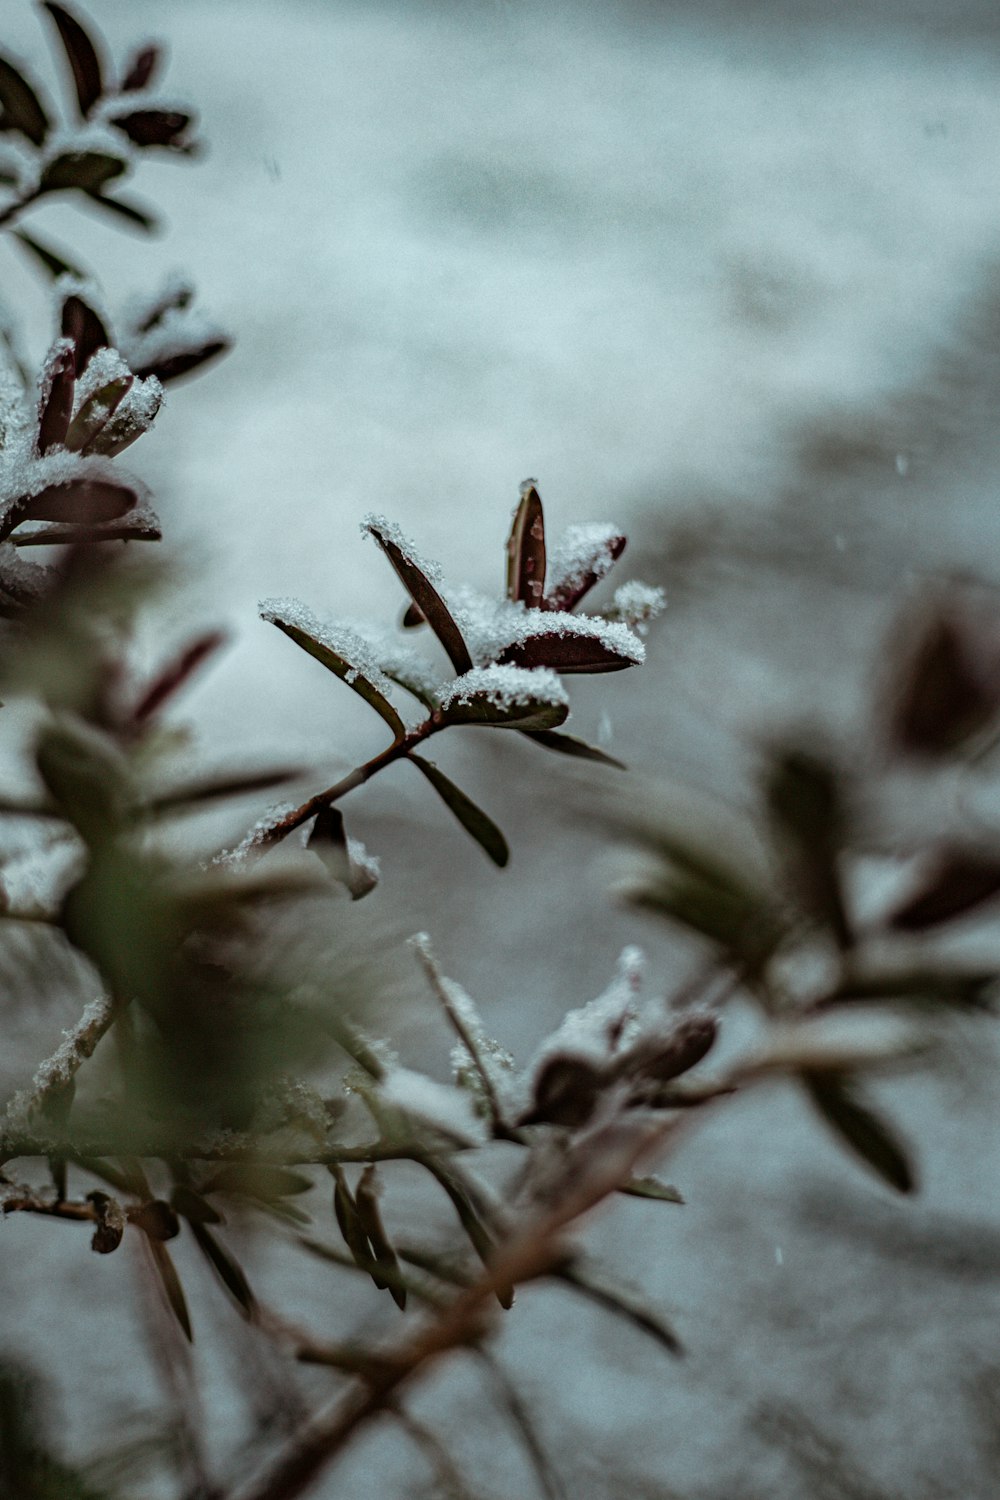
(81, 54)
(343, 669)
(526, 550)
(21, 106)
(54, 262)
(568, 744)
(472, 818)
(329, 840)
(842, 1106)
(651, 1187)
(225, 1266)
(427, 599)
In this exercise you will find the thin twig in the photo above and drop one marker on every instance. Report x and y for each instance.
(267, 837)
(549, 1481)
(439, 985)
(446, 1471)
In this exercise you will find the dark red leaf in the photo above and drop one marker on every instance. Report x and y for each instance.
(55, 407)
(87, 171)
(659, 1059)
(141, 69)
(526, 549)
(427, 599)
(566, 653)
(950, 690)
(20, 105)
(81, 324)
(412, 617)
(127, 209)
(567, 595)
(176, 674)
(961, 882)
(80, 500)
(82, 55)
(153, 127)
(472, 818)
(225, 1266)
(176, 365)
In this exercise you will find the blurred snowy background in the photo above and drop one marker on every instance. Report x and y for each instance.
(728, 275)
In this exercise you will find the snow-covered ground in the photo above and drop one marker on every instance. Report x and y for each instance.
(726, 274)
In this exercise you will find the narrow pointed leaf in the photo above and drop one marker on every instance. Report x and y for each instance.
(171, 1284)
(567, 653)
(225, 1266)
(366, 1201)
(526, 550)
(87, 171)
(125, 208)
(185, 363)
(651, 1187)
(153, 127)
(343, 669)
(81, 324)
(193, 796)
(174, 676)
(805, 803)
(566, 592)
(56, 405)
(20, 107)
(329, 840)
(427, 599)
(140, 71)
(949, 691)
(54, 262)
(472, 818)
(80, 500)
(95, 413)
(568, 744)
(82, 56)
(840, 1103)
(961, 882)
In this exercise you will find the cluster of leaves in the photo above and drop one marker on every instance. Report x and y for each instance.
(226, 1066)
(113, 119)
(506, 658)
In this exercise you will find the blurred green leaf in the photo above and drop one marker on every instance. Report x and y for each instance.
(805, 802)
(52, 261)
(843, 1107)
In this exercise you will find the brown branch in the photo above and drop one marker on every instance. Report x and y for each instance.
(266, 838)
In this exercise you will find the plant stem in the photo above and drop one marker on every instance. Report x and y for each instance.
(398, 750)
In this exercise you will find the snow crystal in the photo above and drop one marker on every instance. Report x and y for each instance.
(636, 604)
(597, 1031)
(507, 687)
(337, 636)
(378, 526)
(439, 1105)
(580, 551)
(104, 366)
(403, 664)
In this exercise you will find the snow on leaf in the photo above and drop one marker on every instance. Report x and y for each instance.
(506, 697)
(340, 649)
(581, 557)
(440, 1105)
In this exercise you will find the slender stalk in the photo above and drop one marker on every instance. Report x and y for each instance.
(398, 750)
